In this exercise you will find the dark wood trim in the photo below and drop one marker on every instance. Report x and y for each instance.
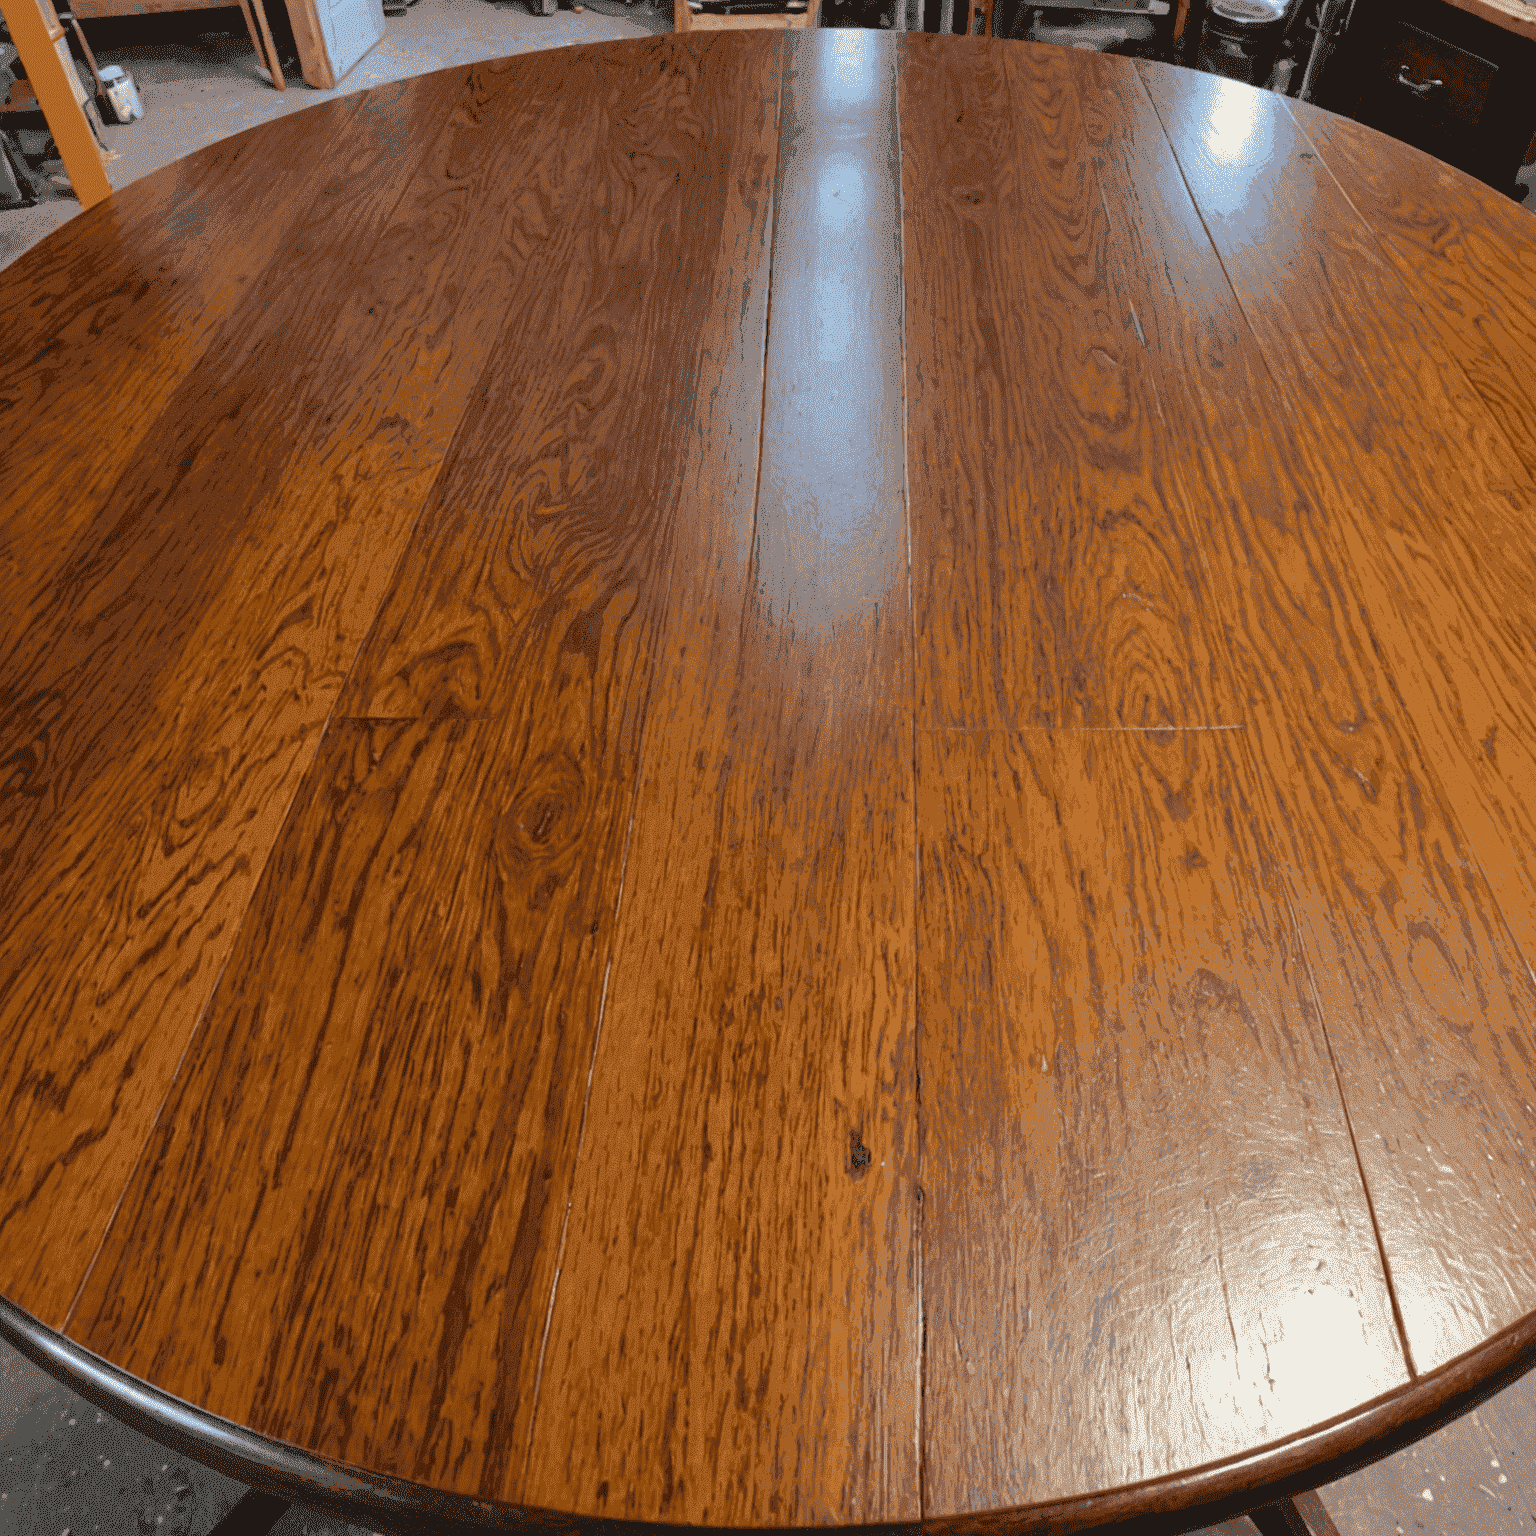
(1223, 1490)
(1163, 1507)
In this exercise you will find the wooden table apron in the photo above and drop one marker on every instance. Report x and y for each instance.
(774, 779)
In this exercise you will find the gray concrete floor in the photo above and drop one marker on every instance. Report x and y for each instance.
(67, 1469)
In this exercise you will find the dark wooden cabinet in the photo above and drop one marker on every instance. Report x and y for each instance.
(1441, 78)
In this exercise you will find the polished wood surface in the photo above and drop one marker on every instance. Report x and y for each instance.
(1119, 1038)
(739, 1307)
(789, 782)
(1417, 939)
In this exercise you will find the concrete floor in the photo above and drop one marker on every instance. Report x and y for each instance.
(67, 1469)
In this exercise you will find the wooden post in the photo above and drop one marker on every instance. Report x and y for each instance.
(85, 48)
(40, 40)
(274, 64)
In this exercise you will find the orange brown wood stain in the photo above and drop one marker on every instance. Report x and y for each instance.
(791, 784)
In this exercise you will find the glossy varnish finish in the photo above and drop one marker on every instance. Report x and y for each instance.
(170, 667)
(507, 676)
(792, 783)
(1414, 882)
(1465, 251)
(739, 1304)
(1119, 1039)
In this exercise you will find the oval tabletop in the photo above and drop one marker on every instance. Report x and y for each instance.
(774, 779)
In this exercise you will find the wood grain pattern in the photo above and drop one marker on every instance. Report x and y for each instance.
(788, 783)
(1094, 627)
(159, 267)
(1466, 284)
(1466, 253)
(735, 1336)
(1118, 1035)
(193, 652)
(1441, 632)
(514, 657)
(162, 700)
(1406, 884)
(1461, 644)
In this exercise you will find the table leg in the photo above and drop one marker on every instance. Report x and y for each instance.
(256, 42)
(254, 1515)
(274, 64)
(1302, 1516)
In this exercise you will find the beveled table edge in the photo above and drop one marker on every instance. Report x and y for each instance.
(1163, 1506)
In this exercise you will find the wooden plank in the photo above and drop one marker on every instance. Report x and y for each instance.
(1466, 253)
(436, 646)
(1465, 260)
(1145, 1242)
(1400, 776)
(162, 272)
(735, 1335)
(1146, 1245)
(195, 642)
(439, 913)
(1101, 632)
(88, 10)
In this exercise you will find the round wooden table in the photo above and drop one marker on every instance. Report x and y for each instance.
(774, 779)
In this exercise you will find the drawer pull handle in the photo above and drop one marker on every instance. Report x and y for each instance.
(1423, 89)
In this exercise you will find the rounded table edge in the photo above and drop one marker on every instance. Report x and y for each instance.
(1309, 1459)
(278, 1467)
(1178, 1502)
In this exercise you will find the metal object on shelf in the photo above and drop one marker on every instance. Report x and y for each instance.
(1242, 38)
(120, 95)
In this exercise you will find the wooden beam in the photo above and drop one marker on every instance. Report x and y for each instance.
(44, 49)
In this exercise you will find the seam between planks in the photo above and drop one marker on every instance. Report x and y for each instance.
(385, 225)
(634, 797)
(785, 49)
(917, 846)
(1287, 890)
(1489, 418)
(1349, 1125)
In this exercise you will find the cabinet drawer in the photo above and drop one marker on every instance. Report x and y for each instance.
(1427, 78)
